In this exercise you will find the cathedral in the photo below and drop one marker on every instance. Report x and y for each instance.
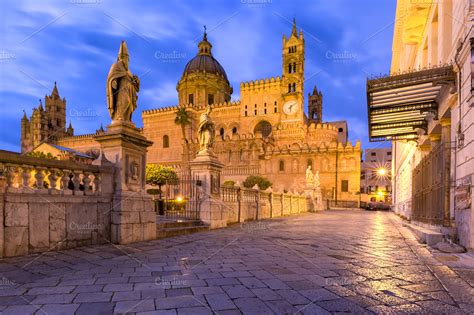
(266, 132)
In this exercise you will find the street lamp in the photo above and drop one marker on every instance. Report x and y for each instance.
(382, 172)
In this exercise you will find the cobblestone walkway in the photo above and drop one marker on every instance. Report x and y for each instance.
(338, 261)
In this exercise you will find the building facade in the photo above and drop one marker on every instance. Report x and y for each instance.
(426, 105)
(264, 133)
(375, 179)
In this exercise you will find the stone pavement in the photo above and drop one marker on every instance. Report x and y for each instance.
(335, 261)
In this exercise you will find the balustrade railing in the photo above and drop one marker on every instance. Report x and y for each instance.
(30, 174)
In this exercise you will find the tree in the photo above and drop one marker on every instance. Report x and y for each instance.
(183, 119)
(42, 155)
(253, 180)
(159, 175)
(228, 183)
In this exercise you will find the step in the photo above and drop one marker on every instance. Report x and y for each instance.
(177, 223)
(425, 235)
(181, 230)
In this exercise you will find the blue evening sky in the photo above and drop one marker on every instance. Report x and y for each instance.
(74, 42)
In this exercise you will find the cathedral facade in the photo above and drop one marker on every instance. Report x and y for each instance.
(265, 133)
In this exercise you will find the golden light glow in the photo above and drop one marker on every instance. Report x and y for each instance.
(179, 199)
(382, 171)
(380, 193)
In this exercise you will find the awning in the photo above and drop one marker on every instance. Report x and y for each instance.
(398, 104)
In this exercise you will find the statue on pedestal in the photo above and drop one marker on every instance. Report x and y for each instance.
(317, 181)
(309, 176)
(122, 88)
(206, 131)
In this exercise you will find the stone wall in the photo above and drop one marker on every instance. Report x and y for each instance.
(243, 204)
(49, 204)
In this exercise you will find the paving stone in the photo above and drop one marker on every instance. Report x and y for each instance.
(293, 297)
(50, 290)
(58, 309)
(238, 291)
(158, 312)
(219, 302)
(252, 306)
(252, 282)
(318, 294)
(125, 307)
(53, 298)
(206, 290)
(93, 297)
(118, 287)
(88, 288)
(126, 296)
(177, 302)
(266, 294)
(95, 308)
(20, 309)
(178, 292)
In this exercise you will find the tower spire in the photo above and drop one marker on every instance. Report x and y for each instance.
(204, 46)
(293, 30)
(55, 90)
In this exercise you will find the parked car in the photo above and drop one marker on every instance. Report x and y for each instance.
(378, 206)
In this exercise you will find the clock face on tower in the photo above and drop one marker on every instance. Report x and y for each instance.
(290, 107)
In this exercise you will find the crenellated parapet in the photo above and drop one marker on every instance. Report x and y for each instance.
(261, 84)
(168, 109)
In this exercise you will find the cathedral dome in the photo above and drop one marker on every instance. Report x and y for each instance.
(204, 63)
(204, 81)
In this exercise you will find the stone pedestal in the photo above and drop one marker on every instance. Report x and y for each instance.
(133, 218)
(208, 169)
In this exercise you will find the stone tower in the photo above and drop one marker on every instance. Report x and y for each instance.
(293, 68)
(55, 113)
(45, 124)
(315, 106)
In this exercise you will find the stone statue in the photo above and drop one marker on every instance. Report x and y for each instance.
(317, 181)
(206, 130)
(122, 88)
(309, 176)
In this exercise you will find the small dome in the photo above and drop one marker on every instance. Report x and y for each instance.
(204, 63)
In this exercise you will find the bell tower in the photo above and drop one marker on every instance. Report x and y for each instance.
(315, 106)
(293, 74)
(56, 114)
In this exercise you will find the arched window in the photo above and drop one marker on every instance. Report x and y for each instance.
(294, 67)
(294, 87)
(264, 128)
(222, 133)
(289, 87)
(234, 130)
(281, 166)
(310, 163)
(166, 141)
(289, 68)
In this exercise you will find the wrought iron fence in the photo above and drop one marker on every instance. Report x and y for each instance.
(430, 184)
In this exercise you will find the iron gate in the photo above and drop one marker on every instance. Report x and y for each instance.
(430, 184)
(180, 198)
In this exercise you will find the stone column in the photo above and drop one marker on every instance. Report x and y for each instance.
(208, 169)
(133, 218)
(435, 140)
(446, 140)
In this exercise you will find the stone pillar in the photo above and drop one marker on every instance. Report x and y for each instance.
(446, 140)
(133, 218)
(435, 140)
(208, 169)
